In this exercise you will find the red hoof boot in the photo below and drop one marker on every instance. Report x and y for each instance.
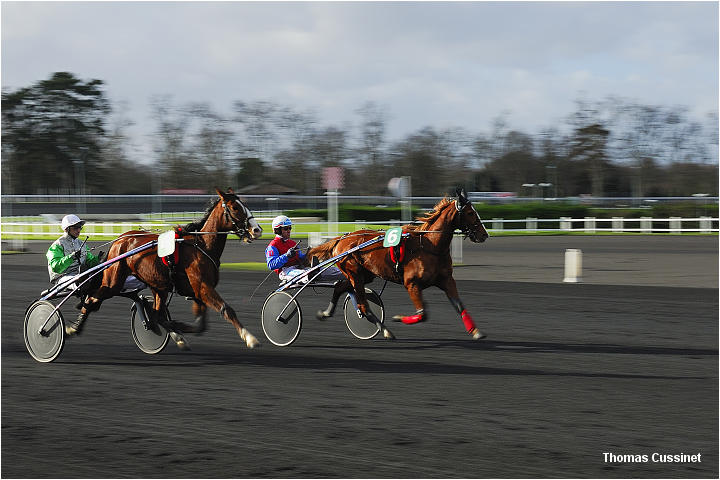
(419, 318)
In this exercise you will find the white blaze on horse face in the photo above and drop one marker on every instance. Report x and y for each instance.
(254, 227)
(477, 235)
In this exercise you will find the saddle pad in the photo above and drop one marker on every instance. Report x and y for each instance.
(166, 243)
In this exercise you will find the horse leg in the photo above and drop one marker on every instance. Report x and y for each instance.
(200, 312)
(358, 285)
(160, 312)
(415, 293)
(451, 291)
(340, 288)
(210, 297)
(111, 285)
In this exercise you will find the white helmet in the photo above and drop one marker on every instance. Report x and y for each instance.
(281, 221)
(70, 220)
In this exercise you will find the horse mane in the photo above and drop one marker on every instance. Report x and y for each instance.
(431, 216)
(196, 226)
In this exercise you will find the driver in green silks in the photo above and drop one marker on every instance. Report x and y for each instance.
(67, 256)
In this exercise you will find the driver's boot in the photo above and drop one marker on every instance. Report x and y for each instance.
(75, 328)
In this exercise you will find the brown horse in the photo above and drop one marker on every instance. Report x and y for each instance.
(194, 275)
(426, 261)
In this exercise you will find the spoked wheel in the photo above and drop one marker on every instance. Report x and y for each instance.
(361, 327)
(149, 336)
(281, 325)
(44, 331)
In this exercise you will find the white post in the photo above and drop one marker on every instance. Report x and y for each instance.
(497, 224)
(332, 212)
(705, 224)
(675, 225)
(531, 224)
(314, 239)
(646, 224)
(573, 265)
(617, 224)
(565, 224)
(456, 252)
(589, 224)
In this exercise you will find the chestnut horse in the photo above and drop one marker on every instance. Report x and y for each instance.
(196, 273)
(426, 261)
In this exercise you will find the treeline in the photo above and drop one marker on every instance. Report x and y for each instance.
(62, 135)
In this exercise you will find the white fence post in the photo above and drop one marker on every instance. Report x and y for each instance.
(314, 239)
(645, 224)
(589, 224)
(565, 224)
(531, 224)
(617, 224)
(497, 224)
(675, 224)
(705, 224)
(456, 249)
(573, 265)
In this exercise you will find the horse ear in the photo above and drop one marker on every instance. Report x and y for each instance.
(230, 190)
(220, 194)
(462, 196)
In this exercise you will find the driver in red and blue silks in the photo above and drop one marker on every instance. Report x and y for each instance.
(284, 257)
(283, 254)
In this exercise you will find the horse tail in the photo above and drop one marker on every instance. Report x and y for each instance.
(324, 250)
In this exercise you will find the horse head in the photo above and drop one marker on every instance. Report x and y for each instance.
(238, 217)
(468, 219)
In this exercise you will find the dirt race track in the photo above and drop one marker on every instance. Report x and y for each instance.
(624, 363)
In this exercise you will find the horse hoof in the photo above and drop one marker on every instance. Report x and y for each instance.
(180, 341)
(249, 338)
(477, 334)
(388, 334)
(321, 315)
(70, 331)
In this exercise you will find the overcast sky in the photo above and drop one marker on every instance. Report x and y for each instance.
(428, 64)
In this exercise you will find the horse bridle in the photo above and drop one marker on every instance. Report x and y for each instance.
(240, 231)
(468, 230)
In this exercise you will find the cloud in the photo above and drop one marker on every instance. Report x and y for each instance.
(431, 63)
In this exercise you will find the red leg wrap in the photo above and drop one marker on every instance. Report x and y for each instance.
(412, 319)
(467, 321)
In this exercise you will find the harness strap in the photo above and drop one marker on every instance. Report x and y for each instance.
(397, 254)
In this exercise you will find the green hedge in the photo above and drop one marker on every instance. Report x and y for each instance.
(550, 210)
(350, 213)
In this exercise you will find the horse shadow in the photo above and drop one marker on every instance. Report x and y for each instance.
(310, 357)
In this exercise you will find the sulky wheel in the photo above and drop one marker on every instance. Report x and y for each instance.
(281, 325)
(44, 331)
(361, 327)
(149, 336)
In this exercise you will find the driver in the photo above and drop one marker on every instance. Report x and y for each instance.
(69, 256)
(284, 256)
